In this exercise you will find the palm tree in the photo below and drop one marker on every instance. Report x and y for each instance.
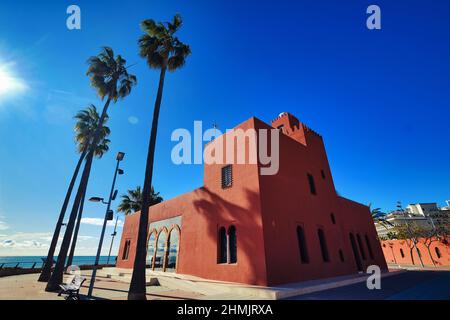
(87, 122)
(132, 201)
(378, 217)
(163, 51)
(109, 76)
(82, 138)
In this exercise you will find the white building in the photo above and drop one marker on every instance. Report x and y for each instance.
(426, 215)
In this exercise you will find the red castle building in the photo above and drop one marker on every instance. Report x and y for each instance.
(249, 228)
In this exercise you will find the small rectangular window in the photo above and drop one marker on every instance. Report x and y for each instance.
(312, 185)
(227, 176)
(322, 173)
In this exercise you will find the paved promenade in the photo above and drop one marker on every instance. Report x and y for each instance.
(26, 287)
(410, 285)
(399, 285)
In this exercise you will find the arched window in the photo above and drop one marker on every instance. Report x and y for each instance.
(323, 245)
(160, 250)
(438, 252)
(172, 251)
(223, 246)
(361, 248)
(151, 250)
(232, 244)
(369, 247)
(402, 253)
(304, 258)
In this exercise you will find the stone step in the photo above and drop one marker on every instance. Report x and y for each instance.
(230, 296)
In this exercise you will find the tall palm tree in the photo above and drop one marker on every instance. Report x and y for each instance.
(163, 51)
(132, 201)
(87, 122)
(83, 137)
(109, 76)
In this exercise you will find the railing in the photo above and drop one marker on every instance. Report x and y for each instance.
(38, 265)
(21, 265)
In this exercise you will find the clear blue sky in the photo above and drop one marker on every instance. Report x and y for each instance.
(379, 98)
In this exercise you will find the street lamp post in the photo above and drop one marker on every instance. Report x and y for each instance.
(119, 158)
(112, 239)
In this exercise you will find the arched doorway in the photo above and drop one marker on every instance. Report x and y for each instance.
(160, 250)
(151, 249)
(172, 249)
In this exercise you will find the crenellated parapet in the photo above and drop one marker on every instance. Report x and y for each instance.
(295, 129)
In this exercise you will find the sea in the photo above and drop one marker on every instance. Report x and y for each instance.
(28, 262)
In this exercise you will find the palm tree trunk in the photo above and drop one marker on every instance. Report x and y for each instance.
(57, 275)
(75, 234)
(46, 269)
(137, 286)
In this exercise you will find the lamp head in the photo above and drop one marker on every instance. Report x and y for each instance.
(120, 156)
(96, 199)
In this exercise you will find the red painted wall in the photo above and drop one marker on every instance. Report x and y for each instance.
(287, 203)
(266, 211)
(393, 254)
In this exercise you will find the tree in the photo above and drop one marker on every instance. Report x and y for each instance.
(438, 233)
(132, 201)
(429, 236)
(378, 217)
(109, 76)
(411, 232)
(391, 235)
(83, 138)
(87, 122)
(163, 51)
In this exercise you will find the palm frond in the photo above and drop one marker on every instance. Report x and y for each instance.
(87, 122)
(159, 46)
(107, 74)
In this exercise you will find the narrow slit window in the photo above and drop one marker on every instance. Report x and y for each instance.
(333, 219)
(341, 255)
(312, 184)
(126, 250)
(301, 239)
(223, 246)
(233, 244)
(323, 245)
(361, 248)
(369, 247)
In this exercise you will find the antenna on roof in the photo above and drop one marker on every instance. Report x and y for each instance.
(215, 127)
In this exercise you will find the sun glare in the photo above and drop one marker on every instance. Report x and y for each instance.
(10, 84)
